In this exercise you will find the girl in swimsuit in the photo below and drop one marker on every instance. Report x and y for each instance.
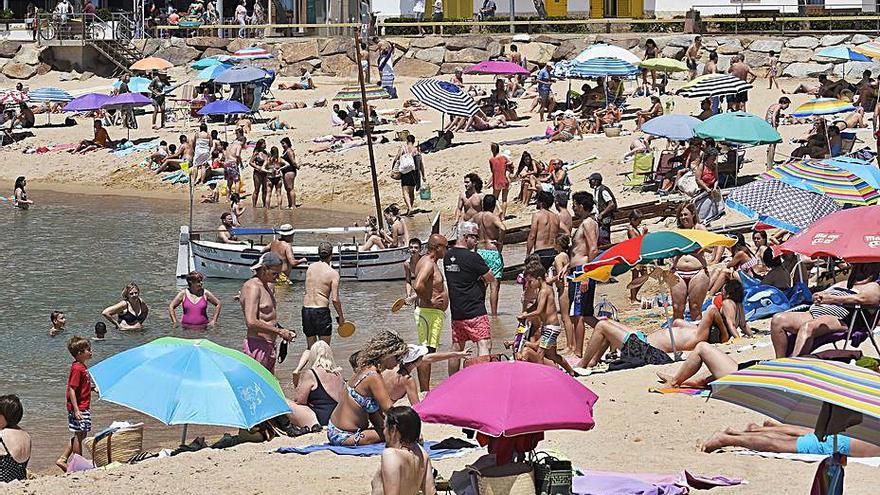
(319, 389)
(827, 314)
(691, 270)
(195, 299)
(633, 230)
(19, 195)
(258, 163)
(289, 171)
(274, 175)
(131, 312)
(366, 399)
(16, 443)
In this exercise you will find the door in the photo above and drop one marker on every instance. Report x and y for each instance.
(556, 8)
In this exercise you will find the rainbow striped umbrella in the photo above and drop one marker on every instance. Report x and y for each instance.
(653, 246)
(796, 390)
(353, 93)
(839, 184)
(871, 48)
(252, 53)
(823, 106)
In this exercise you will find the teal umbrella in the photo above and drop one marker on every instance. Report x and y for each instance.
(738, 127)
(212, 72)
(205, 63)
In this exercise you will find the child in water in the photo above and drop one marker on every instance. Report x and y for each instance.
(58, 319)
(100, 331)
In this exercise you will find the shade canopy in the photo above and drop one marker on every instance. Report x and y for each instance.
(822, 106)
(781, 204)
(602, 50)
(852, 235)
(673, 126)
(738, 127)
(496, 67)
(211, 72)
(87, 103)
(837, 183)
(663, 64)
(711, 85)
(251, 53)
(205, 62)
(600, 67)
(49, 95)
(843, 53)
(127, 100)
(445, 97)
(151, 63)
(135, 84)
(12, 97)
(241, 75)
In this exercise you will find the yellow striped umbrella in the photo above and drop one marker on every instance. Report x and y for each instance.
(871, 48)
(837, 183)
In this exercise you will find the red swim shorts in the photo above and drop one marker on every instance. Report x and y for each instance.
(473, 330)
(261, 350)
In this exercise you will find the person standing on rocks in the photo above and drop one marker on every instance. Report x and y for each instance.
(691, 55)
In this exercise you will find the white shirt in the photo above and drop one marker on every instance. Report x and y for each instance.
(419, 6)
(438, 6)
(605, 195)
(240, 12)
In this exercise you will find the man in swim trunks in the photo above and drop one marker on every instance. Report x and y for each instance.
(470, 201)
(691, 56)
(584, 247)
(283, 247)
(409, 270)
(322, 288)
(491, 230)
(232, 161)
(544, 229)
(430, 313)
(257, 297)
(224, 234)
(788, 439)
(467, 276)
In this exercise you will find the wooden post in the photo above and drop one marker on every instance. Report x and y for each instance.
(367, 127)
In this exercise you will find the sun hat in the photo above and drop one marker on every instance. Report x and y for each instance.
(285, 229)
(267, 259)
(413, 353)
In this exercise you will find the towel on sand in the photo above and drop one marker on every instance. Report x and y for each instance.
(702, 392)
(867, 461)
(369, 450)
(613, 483)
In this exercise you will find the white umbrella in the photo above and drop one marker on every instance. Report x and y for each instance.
(601, 50)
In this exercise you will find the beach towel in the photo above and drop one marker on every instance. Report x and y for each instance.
(527, 140)
(127, 147)
(701, 392)
(613, 483)
(867, 461)
(370, 450)
(762, 301)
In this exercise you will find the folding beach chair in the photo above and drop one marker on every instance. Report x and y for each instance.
(862, 324)
(643, 168)
(664, 166)
(848, 141)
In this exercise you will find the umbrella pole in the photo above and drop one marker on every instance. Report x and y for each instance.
(676, 354)
(367, 130)
(183, 435)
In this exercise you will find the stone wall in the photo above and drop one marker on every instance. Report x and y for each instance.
(432, 55)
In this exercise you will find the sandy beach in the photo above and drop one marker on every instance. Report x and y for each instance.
(636, 431)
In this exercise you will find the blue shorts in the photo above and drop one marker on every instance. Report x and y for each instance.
(810, 444)
(338, 436)
(83, 425)
(581, 302)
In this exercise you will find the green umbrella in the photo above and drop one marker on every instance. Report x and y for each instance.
(738, 127)
(663, 65)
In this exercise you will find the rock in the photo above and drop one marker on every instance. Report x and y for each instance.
(68, 76)
(494, 49)
(627, 44)
(8, 49)
(337, 65)
(723, 63)
(413, 67)
(463, 42)
(802, 42)
(538, 53)
(854, 69)
(766, 46)
(427, 42)
(449, 68)
(546, 38)
(467, 55)
(858, 39)
(833, 39)
(178, 55)
(569, 49)
(731, 47)
(43, 69)
(789, 55)
(806, 69)
(680, 41)
(297, 69)
(213, 52)
(710, 44)
(149, 45)
(824, 60)
(86, 76)
(29, 54)
(239, 43)
(673, 52)
(434, 55)
(292, 53)
(521, 38)
(203, 42)
(402, 44)
(17, 70)
(756, 59)
(338, 44)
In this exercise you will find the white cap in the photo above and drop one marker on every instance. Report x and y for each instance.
(413, 353)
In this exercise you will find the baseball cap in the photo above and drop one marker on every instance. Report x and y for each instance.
(468, 228)
(285, 229)
(413, 352)
(267, 259)
(596, 176)
(325, 249)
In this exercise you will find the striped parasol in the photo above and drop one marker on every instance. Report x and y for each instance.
(713, 85)
(49, 95)
(797, 391)
(601, 67)
(445, 97)
(843, 53)
(12, 97)
(603, 50)
(822, 106)
(839, 184)
(871, 48)
(252, 53)
(353, 93)
(781, 204)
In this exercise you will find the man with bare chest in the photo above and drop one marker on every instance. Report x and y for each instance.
(489, 246)
(284, 249)
(584, 247)
(322, 289)
(430, 314)
(471, 200)
(257, 299)
(544, 229)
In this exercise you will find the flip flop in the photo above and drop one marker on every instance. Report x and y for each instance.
(398, 304)
(346, 329)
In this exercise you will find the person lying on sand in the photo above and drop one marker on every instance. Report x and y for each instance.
(853, 120)
(278, 105)
(101, 140)
(787, 439)
(566, 128)
(305, 81)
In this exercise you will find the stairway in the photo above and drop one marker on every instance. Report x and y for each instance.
(119, 49)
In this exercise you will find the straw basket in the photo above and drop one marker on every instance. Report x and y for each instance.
(119, 446)
(611, 131)
(509, 479)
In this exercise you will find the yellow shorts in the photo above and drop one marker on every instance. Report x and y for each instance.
(429, 322)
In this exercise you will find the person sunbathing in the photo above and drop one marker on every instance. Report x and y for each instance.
(278, 105)
(853, 120)
(609, 333)
(606, 117)
(643, 116)
(828, 313)
(566, 128)
(101, 140)
(305, 81)
(480, 122)
(689, 374)
(787, 439)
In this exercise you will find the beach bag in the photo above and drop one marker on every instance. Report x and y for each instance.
(395, 170)
(118, 445)
(425, 192)
(406, 164)
(687, 184)
(516, 478)
(552, 475)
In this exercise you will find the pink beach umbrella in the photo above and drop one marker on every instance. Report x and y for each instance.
(510, 398)
(496, 67)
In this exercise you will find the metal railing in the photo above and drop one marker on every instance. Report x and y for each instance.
(72, 27)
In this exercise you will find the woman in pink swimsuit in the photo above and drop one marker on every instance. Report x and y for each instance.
(195, 299)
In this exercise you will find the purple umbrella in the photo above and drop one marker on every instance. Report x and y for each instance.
(224, 107)
(496, 67)
(86, 103)
(127, 100)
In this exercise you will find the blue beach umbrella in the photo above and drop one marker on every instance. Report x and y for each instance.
(49, 95)
(212, 72)
(675, 127)
(843, 53)
(738, 127)
(136, 85)
(182, 381)
(600, 67)
(866, 171)
(240, 75)
(205, 63)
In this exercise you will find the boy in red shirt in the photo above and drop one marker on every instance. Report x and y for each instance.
(79, 398)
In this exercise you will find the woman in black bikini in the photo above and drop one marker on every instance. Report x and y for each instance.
(258, 163)
(131, 312)
(289, 171)
(15, 442)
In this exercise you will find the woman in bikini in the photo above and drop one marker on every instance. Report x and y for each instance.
(289, 171)
(131, 312)
(691, 271)
(19, 195)
(274, 176)
(742, 263)
(568, 128)
(366, 399)
(527, 173)
(258, 163)
(558, 277)
(195, 299)
(829, 312)
(405, 467)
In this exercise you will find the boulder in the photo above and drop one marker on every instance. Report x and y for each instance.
(833, 39)
(756, 59)
(178, 55)
(29, 54)
(213, 52)
(789, 55)
(858, 39)
(494, 49)
(338, 65)
(802, 42)
(8, 49)
(680, 41)
(86, 75)
(710, 44)
(239, 43)
(402, 44)
(149, 45)
(467, 55)
(546, 38)
(730, 47)
(521, 38)
(854, 69)
(297, 69)
(204, 42)
(806, 69)
(449, 68)
(463, 42)
(824, 60)
(427, 42)
(723, 63)
(17, 70)
(413, 67)
(538, 53)
(43, 69)
(292, 53)
(338, 44)
(434, 55)
(673, 52)
(569, 49)
(766, 46)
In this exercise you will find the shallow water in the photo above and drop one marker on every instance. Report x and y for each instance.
(75, 253)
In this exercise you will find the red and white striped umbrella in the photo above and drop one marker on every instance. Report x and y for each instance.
(12, 97)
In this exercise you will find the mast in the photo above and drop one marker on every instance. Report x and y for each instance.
(367, 128)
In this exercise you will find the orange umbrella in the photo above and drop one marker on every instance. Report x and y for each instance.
(151, 63)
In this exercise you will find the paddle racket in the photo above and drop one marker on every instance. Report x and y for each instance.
(346, 329)
(398, 304)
